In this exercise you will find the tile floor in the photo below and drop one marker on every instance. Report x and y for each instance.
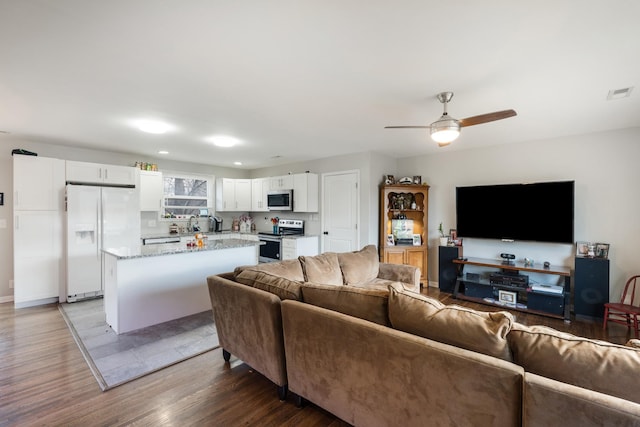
(116, 359)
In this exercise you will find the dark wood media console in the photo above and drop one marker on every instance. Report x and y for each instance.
(478, 288)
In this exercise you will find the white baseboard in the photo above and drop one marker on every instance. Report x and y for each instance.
(6, 299)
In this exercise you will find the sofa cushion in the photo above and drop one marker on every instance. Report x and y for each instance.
(592, 364)
(360, 266)
(367, 304)
(459, 326)
(323, 268)
(270, 282)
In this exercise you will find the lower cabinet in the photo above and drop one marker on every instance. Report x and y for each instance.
(292, 248)
(408, 255)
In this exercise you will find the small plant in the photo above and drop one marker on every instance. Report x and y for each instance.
(441, 230)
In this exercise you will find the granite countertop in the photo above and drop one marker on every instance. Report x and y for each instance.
(193, 233)
(177, 248)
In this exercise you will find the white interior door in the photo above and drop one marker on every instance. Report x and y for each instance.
(340, 196)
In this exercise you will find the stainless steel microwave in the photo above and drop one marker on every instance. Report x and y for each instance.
(280, 200)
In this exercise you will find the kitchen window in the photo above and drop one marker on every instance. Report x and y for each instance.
(187, 195)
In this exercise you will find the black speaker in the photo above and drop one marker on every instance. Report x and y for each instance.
(447, 270)
(591, 287)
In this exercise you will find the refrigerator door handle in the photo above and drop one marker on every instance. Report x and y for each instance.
(98, 227)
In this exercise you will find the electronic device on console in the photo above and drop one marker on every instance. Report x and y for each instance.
(519, 280)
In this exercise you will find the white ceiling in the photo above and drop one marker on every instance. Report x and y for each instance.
(311, 79)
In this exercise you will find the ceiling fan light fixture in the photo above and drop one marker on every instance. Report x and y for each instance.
(445, 130)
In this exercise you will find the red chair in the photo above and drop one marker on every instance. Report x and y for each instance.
(627, 311)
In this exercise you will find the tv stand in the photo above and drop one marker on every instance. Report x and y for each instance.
(532, 298)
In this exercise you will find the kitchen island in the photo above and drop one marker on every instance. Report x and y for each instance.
(147, 285)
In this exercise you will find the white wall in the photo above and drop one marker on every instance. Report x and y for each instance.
(604, 167)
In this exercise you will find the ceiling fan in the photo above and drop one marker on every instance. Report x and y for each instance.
(446, 129)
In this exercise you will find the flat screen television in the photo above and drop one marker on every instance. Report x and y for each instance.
(542, 212)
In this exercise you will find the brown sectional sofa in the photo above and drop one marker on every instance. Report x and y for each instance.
(379, 357)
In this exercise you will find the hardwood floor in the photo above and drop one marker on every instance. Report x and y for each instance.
(44, 380)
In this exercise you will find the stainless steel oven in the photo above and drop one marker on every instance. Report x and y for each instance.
(271, 248)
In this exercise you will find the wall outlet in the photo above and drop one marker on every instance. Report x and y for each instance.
(10, 284)
(3, 223)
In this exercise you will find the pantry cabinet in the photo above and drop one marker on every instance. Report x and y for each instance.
(38, 213)
(96, 173)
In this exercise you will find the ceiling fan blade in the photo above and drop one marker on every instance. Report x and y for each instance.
(407, 127)
(486, 118)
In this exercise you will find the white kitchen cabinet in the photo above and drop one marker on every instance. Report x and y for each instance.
(151, 190)
(234, 195)
(305, 192)
(259, 190)
(38, 211)
(96, 173)
(38, 269)
(292, 248)
(38, 183)
(284, 182)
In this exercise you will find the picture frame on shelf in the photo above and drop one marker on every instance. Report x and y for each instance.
(390, 240)
(602, 250)
(582, 249)
(389, 180)
(417, 240)
(507, 297)
(453, 234)
(417, 179)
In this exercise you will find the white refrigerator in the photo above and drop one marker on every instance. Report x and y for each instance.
(97, 218)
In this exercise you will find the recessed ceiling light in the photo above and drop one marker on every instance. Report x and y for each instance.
(153, 126)
(224, 141)
(163, 152)
(237, 163)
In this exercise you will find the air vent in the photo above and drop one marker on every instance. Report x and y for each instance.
(619, 93)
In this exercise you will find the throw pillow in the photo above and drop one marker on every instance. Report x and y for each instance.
(323, 268)
(367, 304)
(592, 364)
(289, 269)
(277, 285)
(359, 267)
(450, 324)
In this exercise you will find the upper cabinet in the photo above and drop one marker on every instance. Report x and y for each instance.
(38, 183)
(151, 190)
(259, 190)
(284, 182)
(234, 195)
(305, 192)
(96, 173)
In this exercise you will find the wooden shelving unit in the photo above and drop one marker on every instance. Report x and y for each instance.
(553, 302)
(409, 202)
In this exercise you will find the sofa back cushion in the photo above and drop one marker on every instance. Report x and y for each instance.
(459, 326)
(359, 267)
(592, 364)
(367, 304)
(323, 268)
(280, 278)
